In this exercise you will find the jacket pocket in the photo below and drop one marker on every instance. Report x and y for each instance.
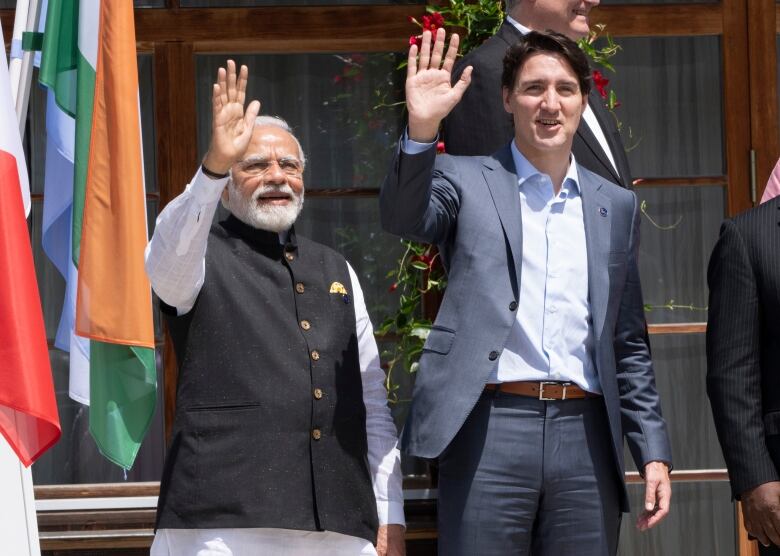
(439, 340)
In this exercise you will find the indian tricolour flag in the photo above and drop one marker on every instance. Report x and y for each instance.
(89, 63)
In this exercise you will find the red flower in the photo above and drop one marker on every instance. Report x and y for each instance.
(415, 39)
(440, 147)
(601, 83)
(433, 21)
(393, 287)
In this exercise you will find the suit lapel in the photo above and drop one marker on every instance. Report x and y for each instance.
(501, 178)
(589, 138)
(597, 217)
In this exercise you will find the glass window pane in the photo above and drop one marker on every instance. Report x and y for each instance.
(670, 94)
(343, 108)
(679, 228)
(680, 370)
(702, 522)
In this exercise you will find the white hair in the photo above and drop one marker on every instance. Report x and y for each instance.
(276, 121)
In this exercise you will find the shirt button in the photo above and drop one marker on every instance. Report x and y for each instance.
(493, 355)
(299, 287)
(316, 434)
(305, 324)
(513, 306)
(289, 256)
(315, 355)
(317, 394)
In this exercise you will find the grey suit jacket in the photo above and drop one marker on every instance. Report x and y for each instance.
(470, 208)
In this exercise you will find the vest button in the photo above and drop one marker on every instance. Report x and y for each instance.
(317, 394)
(513, 306)
(315, 355)
(299, 287)
(289, 256)
(493, 355)
(305, 324)
(316, 434)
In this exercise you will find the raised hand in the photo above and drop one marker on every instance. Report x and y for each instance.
(429, 93)
(231, 127)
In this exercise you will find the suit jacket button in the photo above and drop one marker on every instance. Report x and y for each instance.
(315, 355)
(316, 434)
(513, 306)
(493, 355)
(305, 324)
(317, 393)
(300, 288)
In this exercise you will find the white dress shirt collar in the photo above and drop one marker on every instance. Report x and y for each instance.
(525, 169)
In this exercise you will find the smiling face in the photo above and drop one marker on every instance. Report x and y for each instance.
(266, 187)
(546, 104)
(568, 17)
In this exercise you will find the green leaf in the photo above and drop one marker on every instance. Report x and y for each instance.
(419, 265)
(420, 332)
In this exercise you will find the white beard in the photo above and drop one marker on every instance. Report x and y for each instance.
(273, 218)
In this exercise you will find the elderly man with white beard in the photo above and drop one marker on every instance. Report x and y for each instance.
(282, 440)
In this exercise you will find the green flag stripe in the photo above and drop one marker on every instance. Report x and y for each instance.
(86, 100)
(122, 399)
(59, 54)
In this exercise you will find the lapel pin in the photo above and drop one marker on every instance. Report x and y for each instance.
(602, 211)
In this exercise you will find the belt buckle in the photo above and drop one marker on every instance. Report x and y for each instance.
(549, 383)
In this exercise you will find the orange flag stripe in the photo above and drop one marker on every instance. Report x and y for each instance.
(114, 296)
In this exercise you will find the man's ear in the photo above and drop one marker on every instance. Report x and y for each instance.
(505, 95)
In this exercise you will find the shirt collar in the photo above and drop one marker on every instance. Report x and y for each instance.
(519, 26)
(525, 169)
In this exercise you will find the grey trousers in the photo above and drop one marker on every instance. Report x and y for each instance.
(525, 476)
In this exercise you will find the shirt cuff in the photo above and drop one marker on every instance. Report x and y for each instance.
(206, 190)
(413, 147)
(390, 513)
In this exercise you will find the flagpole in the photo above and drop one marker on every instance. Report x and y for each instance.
(20, 66)
(18, 523)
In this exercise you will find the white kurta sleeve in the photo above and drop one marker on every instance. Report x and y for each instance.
(384, 459)
(175, 256)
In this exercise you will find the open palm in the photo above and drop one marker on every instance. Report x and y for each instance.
(231, 126)
(429, 94)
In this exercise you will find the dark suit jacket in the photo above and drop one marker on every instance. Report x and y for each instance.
(479, 125)
(470, 207)
(743, 345)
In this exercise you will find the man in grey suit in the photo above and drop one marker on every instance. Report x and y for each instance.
(537, 365)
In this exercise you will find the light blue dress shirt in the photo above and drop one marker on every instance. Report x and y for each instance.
(552, 337)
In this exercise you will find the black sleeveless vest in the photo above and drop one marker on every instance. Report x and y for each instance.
(270, 425)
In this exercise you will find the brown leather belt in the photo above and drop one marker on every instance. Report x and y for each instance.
(546, 391)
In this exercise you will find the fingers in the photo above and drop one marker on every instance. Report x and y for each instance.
(463, 83)
(650, 492)
(243, 77)
(231, 81)
(452, 53)
(222, 84)
(438, 49)
(772, 530)
(251, 114)
(425, 51)
(216, 99)
(411, 62)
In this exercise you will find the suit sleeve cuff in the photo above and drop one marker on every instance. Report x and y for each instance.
(413, 147)
(390, 513)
